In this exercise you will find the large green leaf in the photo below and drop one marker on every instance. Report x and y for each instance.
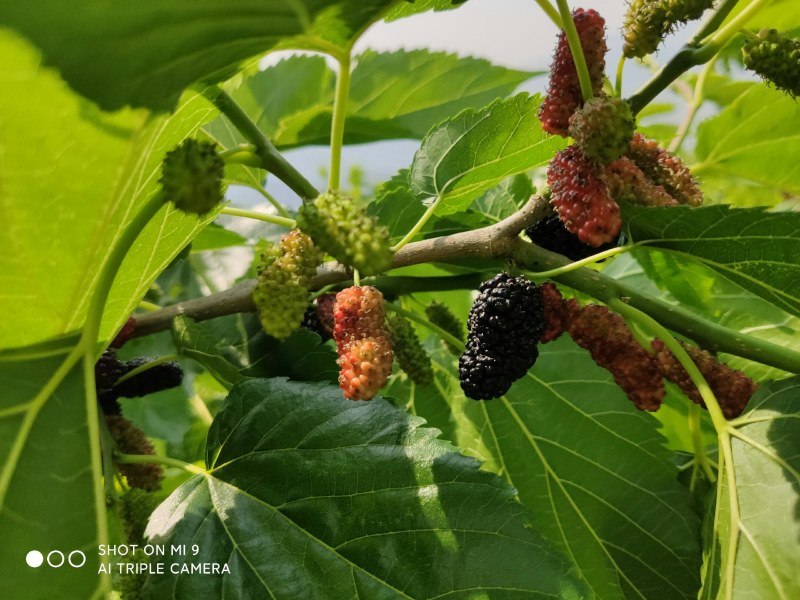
(756, 138)
(413, 7)
(122, 53)
(592, 470)
(71, 178)
(760, 529)
(472, 152)
(392, 95)
(752, 247)
(310, 495)
(47, 500)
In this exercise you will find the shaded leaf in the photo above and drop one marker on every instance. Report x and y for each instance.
(360, 501)
(214, 237)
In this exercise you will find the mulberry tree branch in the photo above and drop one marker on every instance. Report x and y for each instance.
(500, 241)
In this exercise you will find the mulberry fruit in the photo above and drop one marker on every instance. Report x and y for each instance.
(346, 232)
(132, 440)
(555, 313)
(564, 95)
(281, 291)
(135, 508)
(191, 177)
(603, 128)
(505, 324)
(551, 234)
(362, 341)
(440, 315)
(627, 183)
(664, 169)
(647, 22)
(319, 316)
(776, 58)
(408, 351)
(580, 196)
(107, 370)
(607, 338)
(732, 389)
(155, 379)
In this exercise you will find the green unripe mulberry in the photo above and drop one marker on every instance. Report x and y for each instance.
(281, 292)
(443, 317)
(603, 128)
(647, 22)
(346, 232)
(408, 351)
(776, 58)
(135, 508)
(191, 177)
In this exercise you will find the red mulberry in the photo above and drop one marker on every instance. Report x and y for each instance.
(346, 232)
(505, 324)
(191, 177)
(733, 389)
(647, 22)
(132, 440)
(607, 338)
(555, 313)
(603, 128)
(564, 92)
(551, 234)
(408, 351)
(281, 292)
(627, 183)
(776, 58)
(580, 196)
(664, 169)
(362, 340)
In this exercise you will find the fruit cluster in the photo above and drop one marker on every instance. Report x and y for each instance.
(109, 369)
(344, 230)
(776, 58)
(281, 291)
(191, 177)
(647, 22)
(129, 439)
(362, 342)
(505, 324)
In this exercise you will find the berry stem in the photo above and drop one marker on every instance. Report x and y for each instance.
(244, 154)
(618, 82)
(576, 49)
(339, 118)
(147, 366)
(356, 277)
(418, 225)
(144, 459)
(259, 216)
(551, 12)
(267, 196)
(149, 306)
(446, 336)
(271, 160)
(698, 98)
(714, 42)
(539, 275)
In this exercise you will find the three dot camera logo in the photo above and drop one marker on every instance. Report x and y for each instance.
(56, 559)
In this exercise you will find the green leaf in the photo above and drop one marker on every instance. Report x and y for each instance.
(122, 53)
(310, 495)
(393, 95)
(47, 497)
(472, 152)
(752, 247)
(235, 349)
(504, 200)
(406, 9)
(594, 473)
(756, 138)
(764, 537)
(215, 237)
(396, 206)
(69, 186)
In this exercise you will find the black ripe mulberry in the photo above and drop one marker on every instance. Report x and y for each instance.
(107, 370)
(665, 169)
(732, 389)
(505, 324)
(319, 316)
(647, 22)
(155, 379)
(603, 128)
(551, 234)
(581, 197)
(362, 342)
(344, 230)
(191, 177)
(564, 95)
(440, 315)
(776, 58)
(408, 351)
(132, 440)
(284, 276)
(607, 338)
